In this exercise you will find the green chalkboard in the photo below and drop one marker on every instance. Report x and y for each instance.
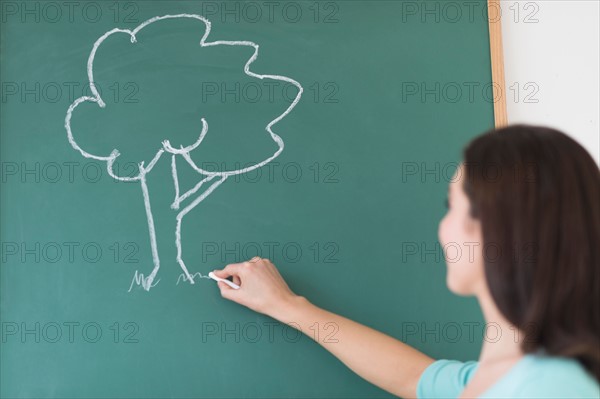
(346, 203)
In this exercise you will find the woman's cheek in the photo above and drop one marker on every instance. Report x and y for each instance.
(450, 231)
(458, 272)
(443, 230)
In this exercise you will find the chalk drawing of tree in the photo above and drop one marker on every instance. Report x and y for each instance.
(208, 180)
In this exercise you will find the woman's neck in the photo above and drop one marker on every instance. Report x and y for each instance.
(501, 339)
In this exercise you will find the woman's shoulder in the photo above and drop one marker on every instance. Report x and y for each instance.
(545, 376)
(534, 376)
(557, 376)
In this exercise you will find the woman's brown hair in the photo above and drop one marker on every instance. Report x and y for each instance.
(536, 192)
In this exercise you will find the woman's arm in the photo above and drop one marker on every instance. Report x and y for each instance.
(378, 358)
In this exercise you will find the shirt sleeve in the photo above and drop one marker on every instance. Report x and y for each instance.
(445, 379)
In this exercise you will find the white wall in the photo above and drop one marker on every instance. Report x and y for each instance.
(557, 55)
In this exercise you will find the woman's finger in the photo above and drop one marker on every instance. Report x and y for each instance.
(227, 292)
(229, 270)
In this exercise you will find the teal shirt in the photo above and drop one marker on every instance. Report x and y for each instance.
(533, 376)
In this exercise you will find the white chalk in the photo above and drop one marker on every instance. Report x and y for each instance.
(229, 283)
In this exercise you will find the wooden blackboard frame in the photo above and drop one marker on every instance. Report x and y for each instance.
(497, 61)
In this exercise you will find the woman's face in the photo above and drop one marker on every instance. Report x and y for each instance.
(461, 239)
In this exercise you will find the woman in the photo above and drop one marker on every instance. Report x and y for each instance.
(531, 197)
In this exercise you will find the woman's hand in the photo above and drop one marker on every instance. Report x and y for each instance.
(262, 288)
